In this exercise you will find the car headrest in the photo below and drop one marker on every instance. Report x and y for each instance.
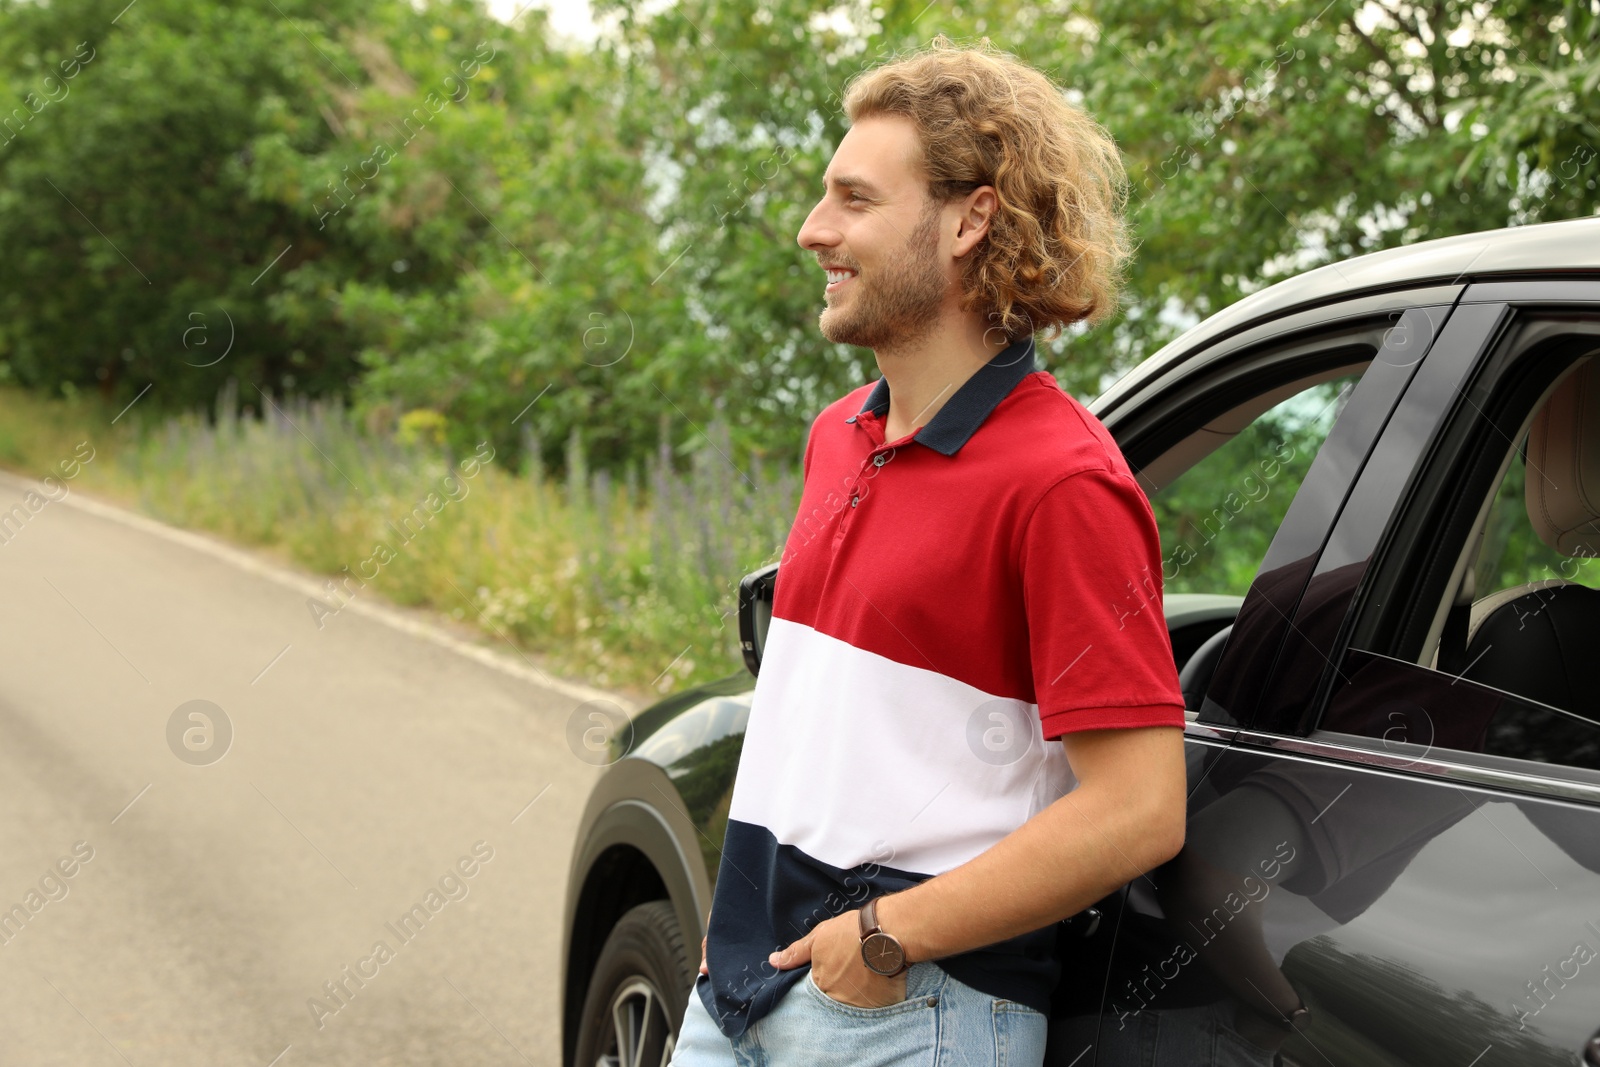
(1563, 476)
(1538, 646)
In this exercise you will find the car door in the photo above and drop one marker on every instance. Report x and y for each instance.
(1247, 448)
(1394, 860)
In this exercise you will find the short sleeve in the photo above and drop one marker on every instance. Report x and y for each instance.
(1090, 563)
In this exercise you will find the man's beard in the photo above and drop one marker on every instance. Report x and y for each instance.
(900, 305)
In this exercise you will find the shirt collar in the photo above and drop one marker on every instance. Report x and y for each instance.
(955, 423)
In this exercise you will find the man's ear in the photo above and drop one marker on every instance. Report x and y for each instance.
(977, 210)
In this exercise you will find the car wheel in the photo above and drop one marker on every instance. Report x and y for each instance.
(638, 992)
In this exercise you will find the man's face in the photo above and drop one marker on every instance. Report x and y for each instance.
(876, 224)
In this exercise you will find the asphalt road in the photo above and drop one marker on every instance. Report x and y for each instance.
(210, 901)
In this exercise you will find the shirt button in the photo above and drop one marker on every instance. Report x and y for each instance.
(879, 460)
(854, 500)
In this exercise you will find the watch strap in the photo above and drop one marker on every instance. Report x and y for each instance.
(869, 919)
(870, 928)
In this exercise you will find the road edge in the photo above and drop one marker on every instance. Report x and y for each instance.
(304, 584)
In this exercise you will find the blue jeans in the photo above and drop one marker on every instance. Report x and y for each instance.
(941, 1023)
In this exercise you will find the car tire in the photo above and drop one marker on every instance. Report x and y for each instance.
(638, 991)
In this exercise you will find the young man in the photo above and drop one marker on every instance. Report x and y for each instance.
(967, 724)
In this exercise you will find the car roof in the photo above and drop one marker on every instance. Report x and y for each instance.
(1545, 248)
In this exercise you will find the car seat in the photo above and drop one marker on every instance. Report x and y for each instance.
(1538, 640)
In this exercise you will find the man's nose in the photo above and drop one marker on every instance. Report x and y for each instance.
(815, 233)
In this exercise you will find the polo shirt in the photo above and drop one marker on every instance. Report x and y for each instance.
(948, 605)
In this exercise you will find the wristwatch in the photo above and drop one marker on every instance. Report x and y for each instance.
(882, 953)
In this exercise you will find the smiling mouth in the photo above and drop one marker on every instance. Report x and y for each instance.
(838, 278)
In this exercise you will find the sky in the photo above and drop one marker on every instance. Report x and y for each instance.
(568, 18)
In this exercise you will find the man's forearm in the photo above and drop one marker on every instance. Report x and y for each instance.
(1107, 831)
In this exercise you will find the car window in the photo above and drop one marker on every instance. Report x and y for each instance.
(1512, 553)
(1503, 672)
(1218, 517)
(1245, 455)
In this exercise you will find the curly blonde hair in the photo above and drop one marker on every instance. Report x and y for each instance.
(1058, 241)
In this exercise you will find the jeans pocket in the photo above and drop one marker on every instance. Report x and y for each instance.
(908, 1003)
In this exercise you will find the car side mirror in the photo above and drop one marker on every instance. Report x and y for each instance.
(755, 613)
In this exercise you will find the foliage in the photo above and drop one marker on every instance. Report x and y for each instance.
(1217, 518)
(131, 229)
(478, 221)
(630, 585)
(1268, 138)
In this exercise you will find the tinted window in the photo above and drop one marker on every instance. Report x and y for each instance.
(1506, 669)
(1512, 552)
(1218, 517)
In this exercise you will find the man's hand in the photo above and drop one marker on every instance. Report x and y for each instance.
(833, 949)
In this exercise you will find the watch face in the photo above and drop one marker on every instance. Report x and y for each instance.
(882, 954)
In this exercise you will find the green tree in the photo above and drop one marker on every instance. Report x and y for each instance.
(604, 241)
(164, 208)
(1264, 139)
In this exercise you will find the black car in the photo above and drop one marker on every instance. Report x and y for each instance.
(1378, 490)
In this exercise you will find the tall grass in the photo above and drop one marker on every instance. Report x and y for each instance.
(627, 582)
